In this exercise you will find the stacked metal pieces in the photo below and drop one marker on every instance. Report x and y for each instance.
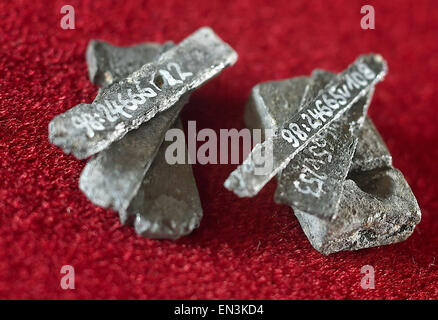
(341, 185)
(144, 88)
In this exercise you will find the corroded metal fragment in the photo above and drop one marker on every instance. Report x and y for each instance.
(377, 207)
(112, 178)
(371, 151)
(123, 106)
(312, 182)
(302, 127)
(167, 205)
(271, 103)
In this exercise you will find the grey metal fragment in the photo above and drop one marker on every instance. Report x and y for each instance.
(312, 181)
(167, 205)
(376, 205)
(247, 180)
(123, 106)
(377, 208)
(112, 178)
(271, 103)
(317, 82)
(108, 63)
(371, 151)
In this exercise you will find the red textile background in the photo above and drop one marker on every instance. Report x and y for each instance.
(244, 248)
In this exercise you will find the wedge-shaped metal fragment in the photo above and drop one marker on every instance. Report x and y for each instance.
(377, 208)
(336, 98)
(167, 205)
(312, 181)
(271, 103)
(89, 128)
(108, 63)
(371, 151)
(364, 216)
(113, 177)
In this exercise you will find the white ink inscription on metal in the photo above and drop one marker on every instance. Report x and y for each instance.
(326, 107)
(337, 97)
(309, 176)
(113, 110)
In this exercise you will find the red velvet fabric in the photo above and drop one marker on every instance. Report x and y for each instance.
(244, 248)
